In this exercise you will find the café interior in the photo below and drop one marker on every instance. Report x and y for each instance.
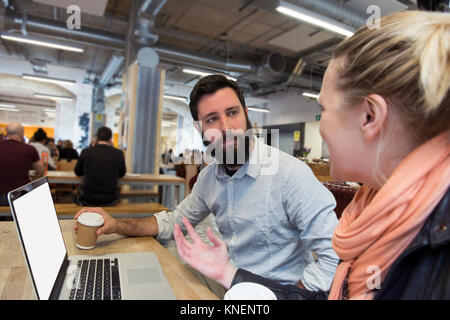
(71, 67)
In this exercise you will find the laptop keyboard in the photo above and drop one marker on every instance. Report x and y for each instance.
(96, 279)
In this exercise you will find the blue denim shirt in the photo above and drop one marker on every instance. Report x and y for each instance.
(272, 213)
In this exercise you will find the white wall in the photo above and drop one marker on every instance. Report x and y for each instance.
(186, 136)
(68, 113)
(291, 107)
(313, 140)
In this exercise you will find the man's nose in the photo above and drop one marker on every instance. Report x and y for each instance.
(224, 124)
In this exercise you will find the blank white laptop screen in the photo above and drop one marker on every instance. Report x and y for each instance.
(42, 237)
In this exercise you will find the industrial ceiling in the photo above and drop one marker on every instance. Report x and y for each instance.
(266, 51)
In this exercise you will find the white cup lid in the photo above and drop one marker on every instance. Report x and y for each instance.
(91, 219)
(249, 291)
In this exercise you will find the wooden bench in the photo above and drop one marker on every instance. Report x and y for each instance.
(139, 193)
(68, 210)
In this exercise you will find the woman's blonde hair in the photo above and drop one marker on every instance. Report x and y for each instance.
(407, 61)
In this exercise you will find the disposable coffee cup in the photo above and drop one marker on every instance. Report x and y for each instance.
(249, 291)
(88, 223)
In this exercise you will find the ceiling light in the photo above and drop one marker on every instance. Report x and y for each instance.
(314, 19)
(4, 105)
(177, 98)
(9, 109)
(258, 109)
(58, 98)
(48, 79)
(49, 110)
(203, 74)
(311, 95)
(41, 42)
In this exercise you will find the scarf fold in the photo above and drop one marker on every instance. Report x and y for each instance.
(377, 226)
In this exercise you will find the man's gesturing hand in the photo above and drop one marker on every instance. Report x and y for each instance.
(212, 261)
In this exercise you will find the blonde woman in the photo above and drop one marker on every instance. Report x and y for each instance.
(386, 119)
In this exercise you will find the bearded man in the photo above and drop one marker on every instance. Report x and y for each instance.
(270, 209)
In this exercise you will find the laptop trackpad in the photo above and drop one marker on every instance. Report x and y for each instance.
(142, 275)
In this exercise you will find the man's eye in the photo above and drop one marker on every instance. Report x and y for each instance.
(211, 120)
(232, 113)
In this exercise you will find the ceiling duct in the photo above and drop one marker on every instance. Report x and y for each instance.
(333, 10)
(203, 60)
(273, 67)
(114, 65)
(57, 28)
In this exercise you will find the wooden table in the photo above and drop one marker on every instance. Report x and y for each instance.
(15, 282)
(136, 179)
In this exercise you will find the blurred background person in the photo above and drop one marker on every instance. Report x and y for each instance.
(39, 138)
(101, 166)
(67, 151)
(16, 159)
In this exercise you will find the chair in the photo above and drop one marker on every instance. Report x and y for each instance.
(44, 160)
(191, 171)
(66, 165)
(61, 190)
(342, 193)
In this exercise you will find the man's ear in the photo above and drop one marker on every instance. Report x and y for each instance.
(373, 117)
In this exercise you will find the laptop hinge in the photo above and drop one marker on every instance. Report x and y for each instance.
(54, 295)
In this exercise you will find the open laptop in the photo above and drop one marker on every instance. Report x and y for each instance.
(55, 275)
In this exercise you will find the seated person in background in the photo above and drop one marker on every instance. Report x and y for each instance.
(67, 151)
(54, 151)
(386, 113)
(16, 160)
(39, 139)
(101, 167)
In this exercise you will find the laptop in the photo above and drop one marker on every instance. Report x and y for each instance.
(55, 275)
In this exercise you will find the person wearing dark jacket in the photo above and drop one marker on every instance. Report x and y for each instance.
(385, 112)
(101, 167)
(67, 151)
(422, 271)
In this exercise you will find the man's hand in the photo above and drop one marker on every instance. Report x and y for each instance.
(212, 261)
(109, 226)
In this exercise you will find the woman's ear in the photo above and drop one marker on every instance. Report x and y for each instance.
(374, 112)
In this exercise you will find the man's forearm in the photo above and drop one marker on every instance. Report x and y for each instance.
(143, 227)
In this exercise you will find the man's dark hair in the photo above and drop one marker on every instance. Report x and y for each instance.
(104, 134)
(40, 135)
(211, 84)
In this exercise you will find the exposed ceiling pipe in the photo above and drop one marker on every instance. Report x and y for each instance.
(52, 27)
(7, 4)
(169, 54)
(144, 6)
(334, 11)
(112, 68)
(202, 59)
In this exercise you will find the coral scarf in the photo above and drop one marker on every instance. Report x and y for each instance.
(376, 227)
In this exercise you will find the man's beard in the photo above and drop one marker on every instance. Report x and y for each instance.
(235, 154)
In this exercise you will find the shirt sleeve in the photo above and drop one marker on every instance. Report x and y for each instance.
(193, 207)
(51, 163)
(310, 206)
(34, 155)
